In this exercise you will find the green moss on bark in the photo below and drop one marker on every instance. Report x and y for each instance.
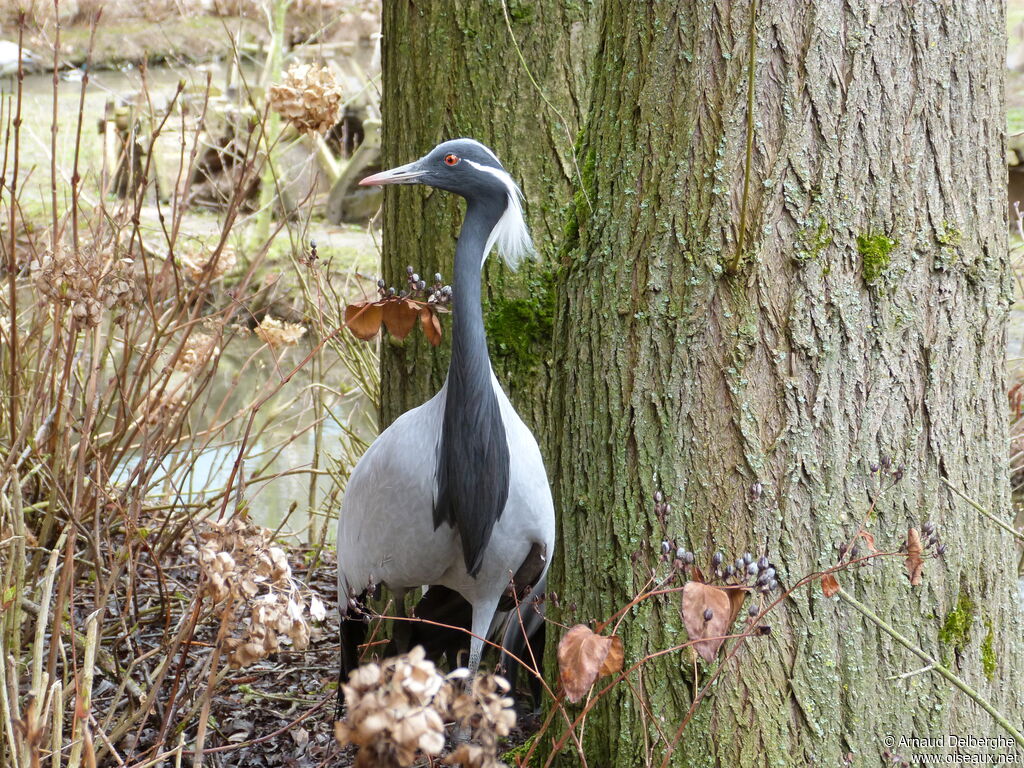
(876, 253)
(513, 756)
(812, 241)
(949, 251)
(956, 628)
(988, 653)
(949, 236)
(519, 327)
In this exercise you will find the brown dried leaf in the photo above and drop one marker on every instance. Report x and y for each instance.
(583, 656)
(612, 663)
(829, 585)
(737, 596)
(915, 563)
(363, 318)
(431, 326)
(869, 540)
(699, 598)
(400, 317)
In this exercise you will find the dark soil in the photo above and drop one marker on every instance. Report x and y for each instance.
(276, 712)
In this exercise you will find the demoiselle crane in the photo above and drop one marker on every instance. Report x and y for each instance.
(454, 493)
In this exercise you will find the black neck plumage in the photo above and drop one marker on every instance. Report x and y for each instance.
(473, 461)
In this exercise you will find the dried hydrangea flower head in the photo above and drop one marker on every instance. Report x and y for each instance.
(279, 333)
(202, 263)
(487, 712)
(309, 98)
(396, 712)
(198, 350)
(389, 712)
(89, 281)
(241, 565)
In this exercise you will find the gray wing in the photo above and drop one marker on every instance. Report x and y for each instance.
(385, 528)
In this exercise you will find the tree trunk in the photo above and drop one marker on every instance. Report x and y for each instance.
(787, 313)
(451, 69)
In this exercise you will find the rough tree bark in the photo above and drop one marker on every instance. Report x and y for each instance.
(450, 70)
(866, 319)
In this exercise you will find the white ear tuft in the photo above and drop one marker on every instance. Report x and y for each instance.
(511, 233)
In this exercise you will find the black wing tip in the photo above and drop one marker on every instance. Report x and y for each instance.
(474, 560)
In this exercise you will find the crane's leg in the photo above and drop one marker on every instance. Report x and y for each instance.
(353, 634)
(402, 631)
(483, 615)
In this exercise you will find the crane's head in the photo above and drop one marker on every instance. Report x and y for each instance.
(468, 168)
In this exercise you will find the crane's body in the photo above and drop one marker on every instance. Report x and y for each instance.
(454, 492)
(398, 545)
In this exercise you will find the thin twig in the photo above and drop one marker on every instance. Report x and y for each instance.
(1001, 523)
(875, 619)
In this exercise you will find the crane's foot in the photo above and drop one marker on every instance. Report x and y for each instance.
(462, 733)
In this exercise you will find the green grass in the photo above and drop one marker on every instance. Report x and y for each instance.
(198, 38)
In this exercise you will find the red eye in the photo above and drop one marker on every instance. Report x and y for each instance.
(450, 160)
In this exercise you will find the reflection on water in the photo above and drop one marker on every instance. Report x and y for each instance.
(278, 471)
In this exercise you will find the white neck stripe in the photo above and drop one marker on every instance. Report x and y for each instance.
(499, 174)
(510, 233)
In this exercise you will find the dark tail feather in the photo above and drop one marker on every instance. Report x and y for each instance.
(443, 606)
(525, 641)
(353, 634)
(527, 579)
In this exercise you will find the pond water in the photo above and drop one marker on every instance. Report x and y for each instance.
(279, 471)
(118, 86)
(289, 479)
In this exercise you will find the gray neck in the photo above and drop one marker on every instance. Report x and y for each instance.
(473, 460)
(469, 341)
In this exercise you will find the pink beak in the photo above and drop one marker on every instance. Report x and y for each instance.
(403, 174)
